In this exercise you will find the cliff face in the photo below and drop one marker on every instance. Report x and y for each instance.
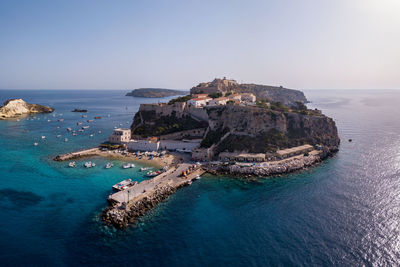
(18, 107)
(275, 94)
(256, 129)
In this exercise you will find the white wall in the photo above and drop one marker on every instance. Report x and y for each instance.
(173, 144)
(143, 145)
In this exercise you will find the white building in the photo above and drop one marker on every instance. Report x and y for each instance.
(235, 97)
(218, 101)
(120, 136)
(248, 98)
(143, 145)
(199, 102)
(182, 145)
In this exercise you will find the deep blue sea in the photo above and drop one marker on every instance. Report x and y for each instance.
(345, 212)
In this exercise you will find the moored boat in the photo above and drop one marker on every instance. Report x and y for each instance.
(89, 164)
(71, 164)
(109, 165)
(125, 184)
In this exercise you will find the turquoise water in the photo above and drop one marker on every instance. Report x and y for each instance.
(344, 212)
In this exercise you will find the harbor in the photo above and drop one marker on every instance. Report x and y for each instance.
(126, 205)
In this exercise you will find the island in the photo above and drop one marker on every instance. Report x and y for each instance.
(155, 92)
(14, 108)
(220, 127)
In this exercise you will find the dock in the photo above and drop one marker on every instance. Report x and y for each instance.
(79, 154)
(127, 205)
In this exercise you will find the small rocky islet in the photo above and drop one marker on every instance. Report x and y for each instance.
(14, 108)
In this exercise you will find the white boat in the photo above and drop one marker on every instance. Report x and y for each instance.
(74, 134)
(128, 165)
(144, 169)
(35, 144)
(66, 140)
(71, 164)
(58, 136)
(198, 177)
(91, 135)
(84, 116)
(152, 174)
(85, 127)
(79, 123)
(48, 120)
(80, 130)
(99, 132)
(125, 184)
(89, 164)
(69, 129)
(109, 165)
(60, 120)
(43, 137)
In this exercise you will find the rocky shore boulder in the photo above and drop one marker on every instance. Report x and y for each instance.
(17, 107)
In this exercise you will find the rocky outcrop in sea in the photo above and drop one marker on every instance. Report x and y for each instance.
(14, 108)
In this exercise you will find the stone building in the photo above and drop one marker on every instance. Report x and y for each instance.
(120, 136)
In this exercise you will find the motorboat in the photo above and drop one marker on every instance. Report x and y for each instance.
(198, 177)
(90, 120)
(58, 136)
(43, 137)
(128, 165)
(152, 174)
(60, 120)
(66, 140)
(97, 118)
(84, 116)
(71, 164)
(109, 165)
(79, 123)
(85, 127)
(125, 184)
(89, 164)
(99, 132)
(35, 144)
(144, 169)
(91, 135)
(69, 129)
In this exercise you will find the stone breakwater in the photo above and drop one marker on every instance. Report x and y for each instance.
(129, 204)
(283, 167)
(121, 216)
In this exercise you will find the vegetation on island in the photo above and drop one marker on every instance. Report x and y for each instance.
(155, 92)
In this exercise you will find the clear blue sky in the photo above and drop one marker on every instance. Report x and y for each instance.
(177, 44)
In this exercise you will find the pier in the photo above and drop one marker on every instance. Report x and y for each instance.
(127, 205)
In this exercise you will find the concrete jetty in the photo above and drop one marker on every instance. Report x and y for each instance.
(127, 205)
(79, 154)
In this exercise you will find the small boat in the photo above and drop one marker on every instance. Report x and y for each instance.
(80, 130)
(99, 132)
(66, 140)
(58, 136)
(84, 116)
(79, 123)
(152, 174)
(125, 184)
(189, 183)
(60, 120)
(97, 118)
(144, 169)
(89, 164)
(109, 165)
(71, 164)
(91, 135)
(198, 177)
(85, 127)
(35, 144)
(69, 129)
(48, 120)
(43, 137)
(90, 120)
(74, 134)
(128, 165)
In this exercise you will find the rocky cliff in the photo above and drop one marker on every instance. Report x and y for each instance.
(255, 129)
(155, 92)
(272, 93)
(17, 107)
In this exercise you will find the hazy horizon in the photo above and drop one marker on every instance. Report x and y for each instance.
(125, 45)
